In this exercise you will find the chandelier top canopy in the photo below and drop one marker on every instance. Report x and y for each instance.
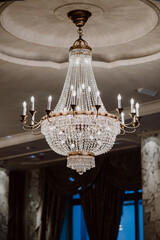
(79, 17)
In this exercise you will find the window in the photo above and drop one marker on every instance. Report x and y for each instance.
(74, 226)
(131, 225)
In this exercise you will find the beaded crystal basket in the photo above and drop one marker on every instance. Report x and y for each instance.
(88, 132)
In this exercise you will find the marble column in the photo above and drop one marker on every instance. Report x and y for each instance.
(34, 204)
(150, 148)
(4, 186)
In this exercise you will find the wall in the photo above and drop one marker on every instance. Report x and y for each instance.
(151, 186)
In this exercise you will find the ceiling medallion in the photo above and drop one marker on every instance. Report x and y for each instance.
(80, 127)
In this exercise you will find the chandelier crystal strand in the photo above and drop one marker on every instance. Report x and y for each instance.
(80, 137)
(81, 81)
(80, 127)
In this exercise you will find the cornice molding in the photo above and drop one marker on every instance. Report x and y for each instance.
(100, 64)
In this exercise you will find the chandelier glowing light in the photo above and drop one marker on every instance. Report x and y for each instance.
(80, 127)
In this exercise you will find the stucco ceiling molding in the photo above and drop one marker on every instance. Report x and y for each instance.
(119, 24)
(141, 50)
(99, 64)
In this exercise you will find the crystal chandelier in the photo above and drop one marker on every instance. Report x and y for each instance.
(80, 127)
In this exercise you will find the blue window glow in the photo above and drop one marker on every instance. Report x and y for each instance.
(32, 156)
(76, 196)
(79, 230)
(140, 214)
(127, 225)
(71, 179)
(65, 226)
(129, 192)
(126, 228)
(76, 216)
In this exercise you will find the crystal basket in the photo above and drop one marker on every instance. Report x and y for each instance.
(80, 132)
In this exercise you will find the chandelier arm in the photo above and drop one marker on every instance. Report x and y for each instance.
(48, 120)
(27, 129)
(129, 124)
(126, 131)
(35, 122)
(122, 130)
(27, 126)
(33, 127)
(134, 125)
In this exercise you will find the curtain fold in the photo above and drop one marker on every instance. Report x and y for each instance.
(52, 214)
(17, 224)
(65, 181)
(102, 206)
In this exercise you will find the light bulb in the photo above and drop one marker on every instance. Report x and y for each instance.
(132, 105)
(119, 100)
(24, 108)
(32, 103)
(49, 102)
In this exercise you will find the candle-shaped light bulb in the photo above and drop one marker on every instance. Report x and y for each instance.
(98, 97)
(89, 89)
(24, 108)
(122, 118)
(132, 105)
(32, 103)
(137, 109)
(49, 102)
(119, 101)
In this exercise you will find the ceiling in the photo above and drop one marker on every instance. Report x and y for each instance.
(34, 40)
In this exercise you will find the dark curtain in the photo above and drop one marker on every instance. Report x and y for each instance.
(17, 219)
(101, 191)
(52, 215)
(56, 189)
(66, 182)
(102, 204)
